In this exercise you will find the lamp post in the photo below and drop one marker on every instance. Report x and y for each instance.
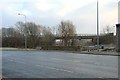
(118, 30)
(25, 31)
(97, 26)
(118, 37)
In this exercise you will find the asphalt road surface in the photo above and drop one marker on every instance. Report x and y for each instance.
(57, 64)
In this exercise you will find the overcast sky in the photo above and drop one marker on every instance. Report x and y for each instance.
(50, 12)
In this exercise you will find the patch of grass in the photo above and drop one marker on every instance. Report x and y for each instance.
(9, 48)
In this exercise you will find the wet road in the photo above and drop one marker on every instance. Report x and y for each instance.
(57, 64)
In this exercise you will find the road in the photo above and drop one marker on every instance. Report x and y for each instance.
(57, 64)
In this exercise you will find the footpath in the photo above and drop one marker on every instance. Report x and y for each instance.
(100, 53)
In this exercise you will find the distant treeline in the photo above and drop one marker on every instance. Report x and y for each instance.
(37, 35)
(43, 36)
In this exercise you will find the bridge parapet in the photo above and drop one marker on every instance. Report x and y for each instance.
(81, 36)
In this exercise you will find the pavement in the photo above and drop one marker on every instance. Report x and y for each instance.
(57, 64)
(102, 53)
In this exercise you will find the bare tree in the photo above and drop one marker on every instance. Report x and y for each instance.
(20, 26)
(11, 38)
(31, 30)
(47, 36)
(107, 30)
(66, 29)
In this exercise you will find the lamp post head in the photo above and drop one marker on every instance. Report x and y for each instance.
(22, 14)
(19, 14)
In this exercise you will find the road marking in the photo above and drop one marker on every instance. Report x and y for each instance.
(77, 61)
(65, 60)
(58, 69)
(13, 60)
(3, 76)
(100, 77)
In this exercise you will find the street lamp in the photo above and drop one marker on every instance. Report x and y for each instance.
(25, 29)
(97, 26)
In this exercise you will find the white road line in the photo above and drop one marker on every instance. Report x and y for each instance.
(61, 69)
(16, 61)
(3, 76)
(65, 60)
(76, 61)
(58, 69)
(20, 62)
(100, 77)
(11, 60)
